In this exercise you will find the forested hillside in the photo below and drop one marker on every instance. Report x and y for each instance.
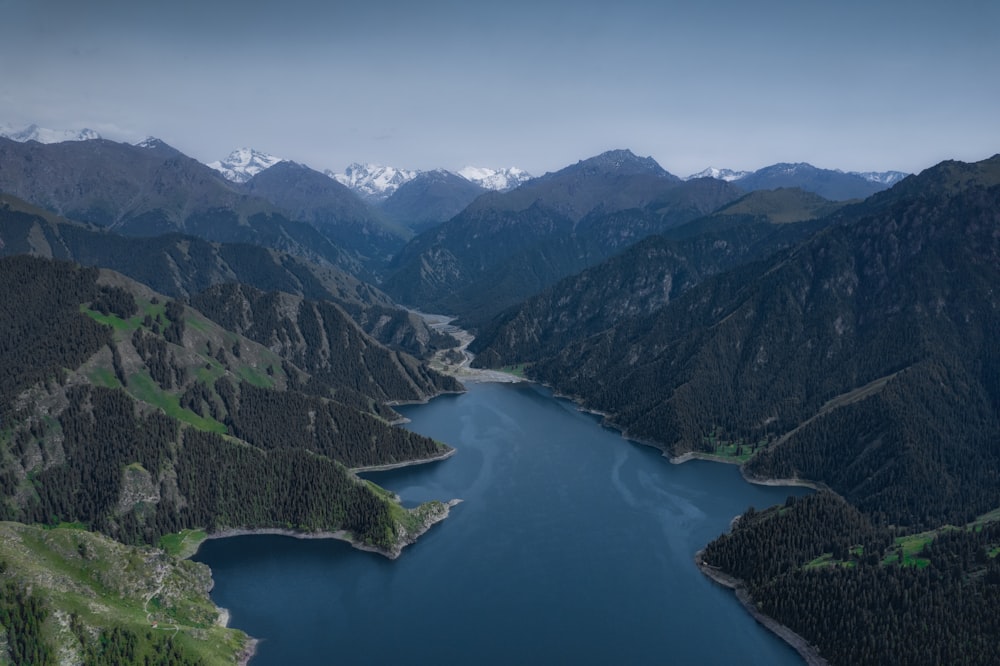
(506, 247)
(827, 571)
(863, 359)
(138, 417)
(183, 266)
(640, 281)
(319, 337)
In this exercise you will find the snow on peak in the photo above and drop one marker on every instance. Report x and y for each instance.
(500, 180)
(243, 164)
(44, 135)
(149, 142)
(374, 182)
(728, 175)
(887, 178)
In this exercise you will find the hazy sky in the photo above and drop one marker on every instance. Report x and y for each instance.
(853, 85)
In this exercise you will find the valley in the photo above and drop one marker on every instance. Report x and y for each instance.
(217, 355)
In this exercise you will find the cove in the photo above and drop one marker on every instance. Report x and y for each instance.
(572, 545)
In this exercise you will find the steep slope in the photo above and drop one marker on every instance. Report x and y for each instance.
(498, 180)
(505, 247)
(243, 164)
(152, 189)
(350, 223)
(862, 358)
(320, 338)
(828, 183)
(372, 182)
(638, 282)
(138, 417)
(429, 199)
(182, 266)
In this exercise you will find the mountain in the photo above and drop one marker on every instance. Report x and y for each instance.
(372, 182)
(131, 416)
(43, 135)
(727, 175)
(645, 278)
(158, 147)
(793, 171)
(183, 266)
(243, 164)
(151, 190)
(785, 204)
(322, 339)
(887, 178)
(499, 180)
(828, 183)
(333, 209)
(505, 247)
(430, 198)
(861, 358)
(136, 392)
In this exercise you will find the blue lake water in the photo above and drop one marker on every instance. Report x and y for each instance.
(572, 546)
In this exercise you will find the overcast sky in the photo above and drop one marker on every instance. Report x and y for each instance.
(872, 85)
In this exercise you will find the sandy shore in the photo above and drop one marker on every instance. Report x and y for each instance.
(445, 361)
(807, 651)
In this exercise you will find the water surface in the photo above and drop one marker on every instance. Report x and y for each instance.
(572, 545)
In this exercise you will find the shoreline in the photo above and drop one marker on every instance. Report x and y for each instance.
(806, 650)
(462, 370)
(343, 535)
(406, 463)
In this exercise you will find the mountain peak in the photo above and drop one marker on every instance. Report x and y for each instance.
(500, 180)
(373, 182)
(728, 175)
(43, 135)
(243, 164)
(621, 161)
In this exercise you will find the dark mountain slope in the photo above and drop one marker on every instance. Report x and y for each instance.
(865, 356)
(182, 266)
(320, 338)
(780, 206)
(310, 196)
(429, 199)
(636, 283)
(828, 183)
(614, 180)
(506, 247)
(115, 405)
(150, 191)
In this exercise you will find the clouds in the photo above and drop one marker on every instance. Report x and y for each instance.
(423, 85)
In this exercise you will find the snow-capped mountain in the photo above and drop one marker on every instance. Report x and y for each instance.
(44, 135)
(243, 164)
(373, 182)
(887, 178)
(500, 180)
(727, 175)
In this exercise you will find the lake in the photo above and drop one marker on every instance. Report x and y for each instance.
(572, 545)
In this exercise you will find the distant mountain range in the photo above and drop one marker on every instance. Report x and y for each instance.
(375, 183)
(43, 135)
(829, 183)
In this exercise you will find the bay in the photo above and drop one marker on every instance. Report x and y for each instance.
(571, 545)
